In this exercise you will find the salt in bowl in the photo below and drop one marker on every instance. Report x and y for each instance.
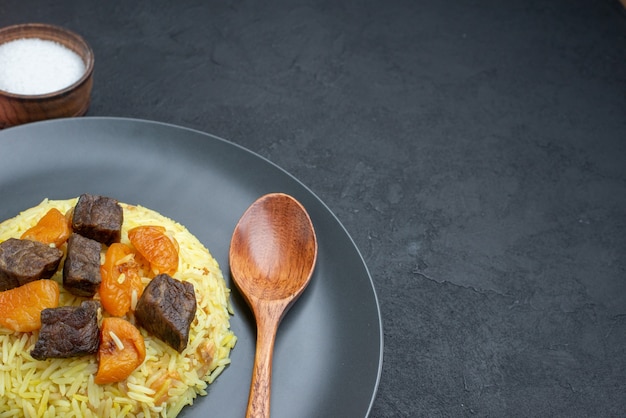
(22, 104)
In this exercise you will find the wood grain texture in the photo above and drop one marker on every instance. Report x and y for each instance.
(474, 151)
(272, 257)
(74, 100)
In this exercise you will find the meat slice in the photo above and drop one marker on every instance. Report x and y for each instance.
(98, 218)
(68, 331)
(81, 270)
(166, 309)
(23, 261)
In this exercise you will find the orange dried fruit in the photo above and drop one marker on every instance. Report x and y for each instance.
(52, 228)
(20, 308)
(121, 279)
(122, 349)
(158, 248)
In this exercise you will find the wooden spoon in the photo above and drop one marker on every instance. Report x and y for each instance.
(272, 257)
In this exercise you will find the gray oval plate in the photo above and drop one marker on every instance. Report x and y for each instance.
(328, 356)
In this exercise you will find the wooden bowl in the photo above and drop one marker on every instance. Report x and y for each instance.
(70, 101)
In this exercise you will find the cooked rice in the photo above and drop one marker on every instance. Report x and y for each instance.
(167, 380)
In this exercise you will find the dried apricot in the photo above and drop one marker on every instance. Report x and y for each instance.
(121, 280)
(158, 248)
(20, 308)
(122, 349)
(52, 228)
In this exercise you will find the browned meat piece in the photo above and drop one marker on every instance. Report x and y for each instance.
(98, 218)
(166, 309)
(23, 261)
(81, 271)
(68, 331)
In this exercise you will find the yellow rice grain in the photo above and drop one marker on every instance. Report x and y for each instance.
(118, 343)
(141, 397)
(65, 387)
(29, 410)
(72, 391)
(43, 403)
(141, 389)
(133, 299)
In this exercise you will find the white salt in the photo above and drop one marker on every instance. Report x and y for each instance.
(33, 66)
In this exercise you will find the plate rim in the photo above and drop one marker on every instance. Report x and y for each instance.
(256, 155)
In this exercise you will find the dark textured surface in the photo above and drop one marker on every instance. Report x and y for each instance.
(475, 151)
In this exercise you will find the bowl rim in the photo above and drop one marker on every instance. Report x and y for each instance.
(89, 64)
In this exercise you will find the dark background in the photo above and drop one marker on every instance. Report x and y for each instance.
(474, 150)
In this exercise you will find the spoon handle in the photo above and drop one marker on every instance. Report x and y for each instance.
(261, 384)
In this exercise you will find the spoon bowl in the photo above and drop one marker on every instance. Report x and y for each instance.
(272, 257)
